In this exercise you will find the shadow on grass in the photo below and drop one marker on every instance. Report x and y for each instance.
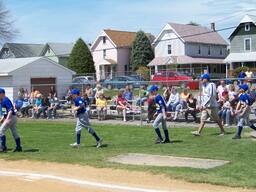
(227, 133)
(30, 150)
(103, 145)
(176, 141)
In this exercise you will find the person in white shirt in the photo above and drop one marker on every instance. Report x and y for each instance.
(208, 105)
(173, 102)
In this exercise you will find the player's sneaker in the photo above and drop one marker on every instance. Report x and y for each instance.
(166, 141)
(158, 140)
(99, 143)
(236, 137)
(3, 149)
(196, 133)
(17, 149)
(75, 145)
(223, 133)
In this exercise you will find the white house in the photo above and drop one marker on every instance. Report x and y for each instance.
(25, 72)
(189, 47)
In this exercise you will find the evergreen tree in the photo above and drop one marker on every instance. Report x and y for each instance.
(81, 60)
(141, 51)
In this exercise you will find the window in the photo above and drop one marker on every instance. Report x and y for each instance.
(169, 49)
(247, 26)
(247, 44)
(104, 53)
(221, 50)
(48, 50)
(199, 49)
(209, 49)
(104, 39)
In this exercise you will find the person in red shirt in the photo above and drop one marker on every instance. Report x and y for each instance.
(122, 105)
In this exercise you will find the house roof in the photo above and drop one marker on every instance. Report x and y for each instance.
(60, 49)
(245, 19)
(195, 34)
(7, 66)
(241, 57)
(184, 60)
(21, 50)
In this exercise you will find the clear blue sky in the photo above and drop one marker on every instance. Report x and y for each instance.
(42, 21)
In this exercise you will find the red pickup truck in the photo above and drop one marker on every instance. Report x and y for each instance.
(163, 78)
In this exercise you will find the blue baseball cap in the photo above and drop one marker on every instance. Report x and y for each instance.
(205, 76)
(2, 91)
(243, 86)
(75, 91)
(153, 88)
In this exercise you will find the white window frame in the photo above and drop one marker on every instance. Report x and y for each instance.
(247, 27)
(245, 44)
(199, 49)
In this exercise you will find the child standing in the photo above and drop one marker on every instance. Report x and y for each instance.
(243, 110)
(160, 116)
(82, 119)
(9, 120)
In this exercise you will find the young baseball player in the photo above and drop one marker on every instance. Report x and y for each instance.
(9, 120)
(160, 116)
(82, 119)
(243, 110)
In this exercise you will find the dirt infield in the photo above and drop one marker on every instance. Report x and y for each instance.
(16, 176)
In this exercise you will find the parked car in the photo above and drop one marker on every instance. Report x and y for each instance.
(163, 78)
(80, 82)
(138, 77)
(81, 78)
(121, 82)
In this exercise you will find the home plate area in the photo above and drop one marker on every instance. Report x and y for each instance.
(166, 161)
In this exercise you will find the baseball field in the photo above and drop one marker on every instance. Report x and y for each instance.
(46, 142)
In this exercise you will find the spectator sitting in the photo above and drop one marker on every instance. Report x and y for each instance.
(225, 111)
(88, 104)
(52, 91)
(101, 105)
(68, 95)
(21, 92)
(191, 102)
(173, 103)
(167, 92)
(18, 103)
(183, 99)
(98, 90)
(42, 108)
(127, 95)
(252, 95)
(143, 96)
(89, 92)
(25, 108)
(122, 105)
(52, 108)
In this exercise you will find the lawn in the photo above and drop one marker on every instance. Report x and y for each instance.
(50, 142)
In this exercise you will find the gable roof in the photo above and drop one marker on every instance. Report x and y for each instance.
(60, 49)
(245, 19)
(7, 66)
(195, 34)
(21, 50)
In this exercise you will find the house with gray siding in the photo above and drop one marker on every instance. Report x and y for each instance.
(243, 44)
(20, 50)
(58, 52)
(189, 48)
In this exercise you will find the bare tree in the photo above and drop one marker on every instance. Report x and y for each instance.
(7, 30)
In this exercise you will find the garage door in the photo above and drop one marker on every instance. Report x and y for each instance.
(43, 84)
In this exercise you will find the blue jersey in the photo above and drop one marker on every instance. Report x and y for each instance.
(7, 106)
(80, 102)
(244, 100)
(160, 103)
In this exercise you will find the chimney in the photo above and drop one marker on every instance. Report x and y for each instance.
(213, 26)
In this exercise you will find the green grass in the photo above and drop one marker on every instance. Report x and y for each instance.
(50, 142)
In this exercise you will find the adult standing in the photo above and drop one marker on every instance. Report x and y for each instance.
(9, 120)
(241, 76)
(208, 105)
(82, 120)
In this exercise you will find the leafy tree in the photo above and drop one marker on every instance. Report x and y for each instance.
(81, 60)
(7, 30)
(141, 51)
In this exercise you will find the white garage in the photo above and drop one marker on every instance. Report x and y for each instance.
(39, 72)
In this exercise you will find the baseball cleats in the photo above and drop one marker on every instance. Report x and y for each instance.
(166, 141)
(75, 145)
(196, 133)
(3, 149)
(99, 143)
(236, 137)
(17, 149)
(158, 141)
